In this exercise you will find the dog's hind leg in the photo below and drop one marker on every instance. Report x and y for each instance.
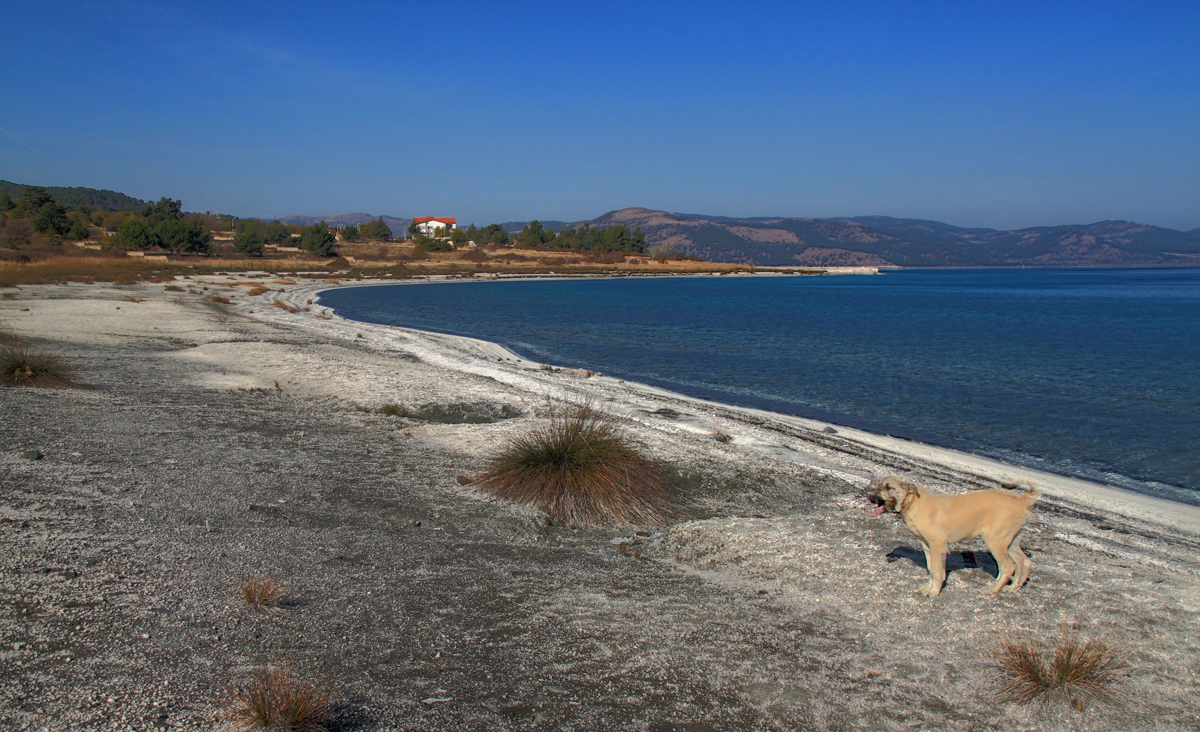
(1023, 566)
(1008, 568)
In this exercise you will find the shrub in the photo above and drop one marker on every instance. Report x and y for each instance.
(27, 365)
(579, 467)
(262, 593)
(279, 700)
(257, 290)
(1079, 671)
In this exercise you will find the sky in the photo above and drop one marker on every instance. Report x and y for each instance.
(988, 113)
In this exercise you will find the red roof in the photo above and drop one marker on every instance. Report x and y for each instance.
(441, 219)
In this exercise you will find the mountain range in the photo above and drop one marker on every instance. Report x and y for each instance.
(861, 240)
(879, 240)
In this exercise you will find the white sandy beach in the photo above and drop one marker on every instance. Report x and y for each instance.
(777, 540)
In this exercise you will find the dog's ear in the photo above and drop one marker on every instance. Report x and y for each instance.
(908, 494)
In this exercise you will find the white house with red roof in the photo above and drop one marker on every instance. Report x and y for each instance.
(435, 225)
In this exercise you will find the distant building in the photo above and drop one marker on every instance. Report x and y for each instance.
(435, 225)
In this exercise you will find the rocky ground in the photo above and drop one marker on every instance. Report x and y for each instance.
(215, 442)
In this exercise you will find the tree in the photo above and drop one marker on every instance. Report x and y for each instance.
(430, 244)
(164, 210)
(377, 230)
(134, 234)
(459, 238)
(83, 210)
(52, 219)
(6, 202)
(78, 230)
(277, 233)
(350, 233)
(532, 236)
(33, 198)
(317, 240)
(249, 242)
(413, 230)
(183, 237)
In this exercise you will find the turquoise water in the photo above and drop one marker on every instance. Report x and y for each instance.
(1081, 372)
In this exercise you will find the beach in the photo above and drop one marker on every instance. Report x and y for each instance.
(220, 440)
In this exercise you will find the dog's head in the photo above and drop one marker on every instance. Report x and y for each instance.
(892, 493)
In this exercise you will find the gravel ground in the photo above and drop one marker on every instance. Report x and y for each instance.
(213, 443)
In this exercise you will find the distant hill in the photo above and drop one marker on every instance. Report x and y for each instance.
(881, 240)
(398, 225)
(71, 197)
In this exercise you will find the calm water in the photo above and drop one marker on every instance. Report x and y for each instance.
(1082, 372)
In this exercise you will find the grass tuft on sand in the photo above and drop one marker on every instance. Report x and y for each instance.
(1078, 672)
(277, 699)
(26, 365)
(579, 467)
(262, 593)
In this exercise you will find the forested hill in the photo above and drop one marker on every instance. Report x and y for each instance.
(881, 240)
(94, 198)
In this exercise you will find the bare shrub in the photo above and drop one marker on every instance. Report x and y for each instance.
(257, 290)
(1080, 670)
(579, 467)
(278, 700)
(285, 307)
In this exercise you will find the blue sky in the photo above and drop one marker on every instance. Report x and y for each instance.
(1001, 114)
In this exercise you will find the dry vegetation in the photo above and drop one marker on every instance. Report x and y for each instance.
(62, 264)
(580, 468)
(262, 593)
(23, 364)
(278, 700)
(1079, 672)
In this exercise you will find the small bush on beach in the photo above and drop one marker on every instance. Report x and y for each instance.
(279, 700)
(579, 467)
(263, 594)
(1078, 672)
(27, 365)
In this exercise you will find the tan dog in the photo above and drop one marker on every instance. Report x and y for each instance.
(940, 520)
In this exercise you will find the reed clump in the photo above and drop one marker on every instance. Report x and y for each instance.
(278, 699)
(580, 467)
(262, 593)
(1078, 671)
(28, 365)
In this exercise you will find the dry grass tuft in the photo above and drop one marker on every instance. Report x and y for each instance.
(279, 700)
(257, 290)
(580, 467)
(173, 288)
(284, 306)
(220, 299)
(262, 593)
(27, 365)
(1080, 671)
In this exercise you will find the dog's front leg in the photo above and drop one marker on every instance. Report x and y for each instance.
(935, 559)
(928, 586)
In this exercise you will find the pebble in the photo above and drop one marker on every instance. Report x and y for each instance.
(32, 455)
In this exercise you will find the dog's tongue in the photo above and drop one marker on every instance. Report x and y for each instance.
(878, 511)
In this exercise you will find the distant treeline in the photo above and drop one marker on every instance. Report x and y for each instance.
(594, 240)
(95, 199)
(37, 218)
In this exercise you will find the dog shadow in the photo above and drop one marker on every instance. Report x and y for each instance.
(954, 560)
